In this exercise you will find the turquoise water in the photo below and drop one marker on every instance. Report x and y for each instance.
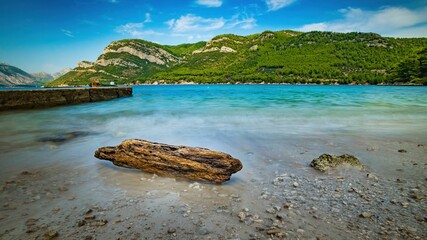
(262, 120)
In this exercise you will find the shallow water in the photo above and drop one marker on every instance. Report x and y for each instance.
(227, 118)
(271, 128)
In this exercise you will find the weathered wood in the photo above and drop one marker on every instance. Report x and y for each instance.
(194, 163)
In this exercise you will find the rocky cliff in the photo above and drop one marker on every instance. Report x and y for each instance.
(121, 61)
(13, 76)
(268, 57)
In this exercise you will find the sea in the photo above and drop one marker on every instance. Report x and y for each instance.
(271, 122)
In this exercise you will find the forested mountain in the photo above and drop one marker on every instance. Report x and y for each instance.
(269, 57)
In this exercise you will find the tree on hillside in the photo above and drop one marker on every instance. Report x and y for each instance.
(412, 69)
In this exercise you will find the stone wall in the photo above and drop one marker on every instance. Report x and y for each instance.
(41, 98)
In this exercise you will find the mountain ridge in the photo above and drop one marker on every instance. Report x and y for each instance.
(268, 57)
(14, 76)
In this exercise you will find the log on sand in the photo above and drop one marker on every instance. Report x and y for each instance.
(167, 160)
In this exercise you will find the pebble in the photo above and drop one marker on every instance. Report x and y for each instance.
(372, 176)
(51, 234)
(242, 216)
(295, 184)
(62, 189)
(271, 210)
(417, 197)
(402, 151)
(204, 230)
(100, 222)
(273, 231)
(171, 230)
(366, 215)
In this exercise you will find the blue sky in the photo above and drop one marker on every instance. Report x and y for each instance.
(48, 35)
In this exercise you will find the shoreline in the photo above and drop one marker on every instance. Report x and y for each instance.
(294, 203)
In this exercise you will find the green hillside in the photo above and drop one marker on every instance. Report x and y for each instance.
(269, 57)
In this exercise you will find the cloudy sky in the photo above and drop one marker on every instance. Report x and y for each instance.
(48, 35)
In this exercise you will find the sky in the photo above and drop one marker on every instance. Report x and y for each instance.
(49, 35)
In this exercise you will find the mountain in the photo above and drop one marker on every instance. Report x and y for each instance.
(270, 57)
(43, 77)
(13, 76)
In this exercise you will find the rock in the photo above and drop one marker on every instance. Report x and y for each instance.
(51, 234)
(273, 231)
(417, 197)
(402, 151)
(204, 230)
(64, 137)
(326, 161)
(81, 223)
(271, 210)
(100, 222)
(171, 230)
(242, 216)
(295, 184)
(366, 215)
(90, 217)
(372, 176)
(31, 222)
(178, 161)
(62, 189)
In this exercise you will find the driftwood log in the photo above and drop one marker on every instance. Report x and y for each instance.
(167, 160)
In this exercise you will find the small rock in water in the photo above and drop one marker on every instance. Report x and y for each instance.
(366, 215)
(326, 161)
(402, 151)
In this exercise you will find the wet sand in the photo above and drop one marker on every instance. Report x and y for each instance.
(61, 191)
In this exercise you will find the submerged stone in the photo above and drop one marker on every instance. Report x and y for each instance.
(327, 161)
(64, 137)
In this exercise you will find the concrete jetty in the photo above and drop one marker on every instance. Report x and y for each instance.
(50, 97)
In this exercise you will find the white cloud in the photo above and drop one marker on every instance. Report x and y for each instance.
(67, 33)
(133, 29)
(244, 23)
(210, 3)
(147, 18)
(389, 21)
(274, 5)
(193, 23)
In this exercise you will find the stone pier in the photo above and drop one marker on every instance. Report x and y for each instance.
(42, 98)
